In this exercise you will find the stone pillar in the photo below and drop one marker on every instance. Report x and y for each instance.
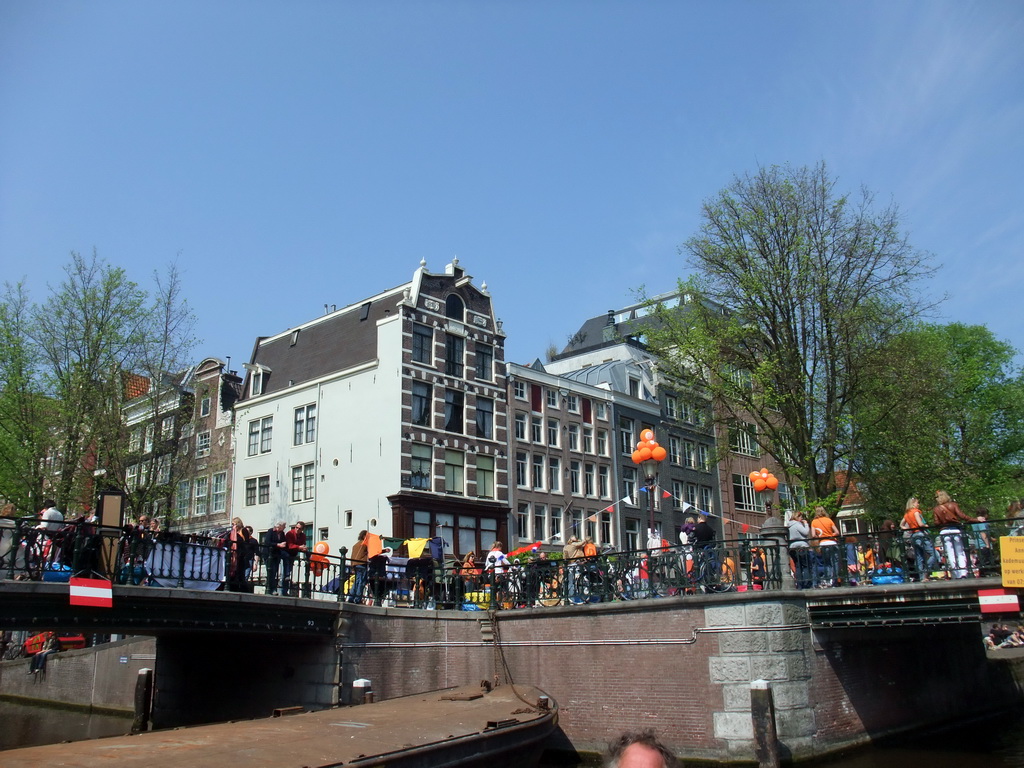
(774, 530)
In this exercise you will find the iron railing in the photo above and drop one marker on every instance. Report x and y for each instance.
(127, 556)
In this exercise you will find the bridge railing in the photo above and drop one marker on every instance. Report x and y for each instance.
(31, 550)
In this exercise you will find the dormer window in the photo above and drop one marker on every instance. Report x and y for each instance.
(258, 376)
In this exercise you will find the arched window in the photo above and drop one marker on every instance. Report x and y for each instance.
(454, 308)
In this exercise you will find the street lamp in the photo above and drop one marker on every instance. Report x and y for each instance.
(648, 455)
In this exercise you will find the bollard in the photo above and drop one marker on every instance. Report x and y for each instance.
(362, 693)
(762, 711)
(143, 700)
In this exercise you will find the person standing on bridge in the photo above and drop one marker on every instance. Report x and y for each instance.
(276, 553)
(803, 559)
(948, 517)
(914, 525)
(825, 532)
(360, 562)
(296, 545)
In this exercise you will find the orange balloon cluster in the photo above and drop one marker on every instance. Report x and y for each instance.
(764, 480)
(648, 448)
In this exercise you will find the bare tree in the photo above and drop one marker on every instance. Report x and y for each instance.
(796, 291)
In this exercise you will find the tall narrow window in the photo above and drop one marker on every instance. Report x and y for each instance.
(538, 472)
(574, 477)
(454, 406)
(420, 404)
(220, 492)
(521, 469)
(454, 475)
(422, 456)
(521, 426)
(485, 477)
(454, 352)
(454, 308)
(484, 417)
(422, 344)
(484, 362)
(554, 474)
(202, 495)
(305, 424)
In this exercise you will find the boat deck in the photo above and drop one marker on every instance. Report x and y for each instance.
(455, 727)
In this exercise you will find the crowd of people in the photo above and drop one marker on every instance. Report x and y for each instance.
(955, 545)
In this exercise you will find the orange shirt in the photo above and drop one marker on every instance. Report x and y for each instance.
(823, 529)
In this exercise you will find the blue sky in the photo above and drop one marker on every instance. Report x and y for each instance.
(293, 154)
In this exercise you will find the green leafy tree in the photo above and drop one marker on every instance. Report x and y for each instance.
(796, 293)
(950, 415)
(26, 414)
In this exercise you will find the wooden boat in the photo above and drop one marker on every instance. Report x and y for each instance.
(467, 727)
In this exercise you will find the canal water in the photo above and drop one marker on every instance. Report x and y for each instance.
(996, 742)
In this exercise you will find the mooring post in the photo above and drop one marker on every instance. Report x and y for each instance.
(762, 711)
(143, 700)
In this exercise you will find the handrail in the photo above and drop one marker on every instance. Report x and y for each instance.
(29, 550)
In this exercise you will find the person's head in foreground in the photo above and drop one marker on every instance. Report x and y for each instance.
(640, 750)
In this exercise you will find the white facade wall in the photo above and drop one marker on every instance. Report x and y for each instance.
(357, 450)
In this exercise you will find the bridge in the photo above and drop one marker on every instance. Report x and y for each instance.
(647, 645)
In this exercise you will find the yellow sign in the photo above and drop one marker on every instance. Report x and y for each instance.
(1011, 553)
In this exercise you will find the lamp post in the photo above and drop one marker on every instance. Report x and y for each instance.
(648, 455)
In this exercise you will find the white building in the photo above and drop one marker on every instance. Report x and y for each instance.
(388, 414)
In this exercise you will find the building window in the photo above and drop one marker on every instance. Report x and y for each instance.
(519, 390)
(260, 433)
(538, 472)
(453, 410)
(250, 491)
(603, 482)
(556, 523)
(220, 492)
(521, 426)
(677, 494)
(485, 477)
(629, 483)
(454, 354)
(264, 489)
(202, 495)
(539, 522)
(574, 477)
(203, 444)
(551, 396)
(305, 424)
(183, 498)
(523, 522)
(163, 469)
(703, 458)
(634, 387)
(606, 528)
(602, 442)
(689, 454)
(691, 495)
(674, 454)
(626, 436)
(135, 440)
(553, 432)
(554, 474)
(484, 362)
(150, 429)
(743, 494)
(743, 439)
(303, 482)
(167, 428)
(632, 535)
(454, 476)
(131, 478)
(601, 410)
(454, 308)
(421, 404)
(536, 430)
(204, 406)
(572, 403)
(588, 440)
(706, 502)
(574, 437)
(671, 407)
(484, 417)
(421, 468)
(686, 411)
(589, 478)
(422, 344)
(521, 469)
